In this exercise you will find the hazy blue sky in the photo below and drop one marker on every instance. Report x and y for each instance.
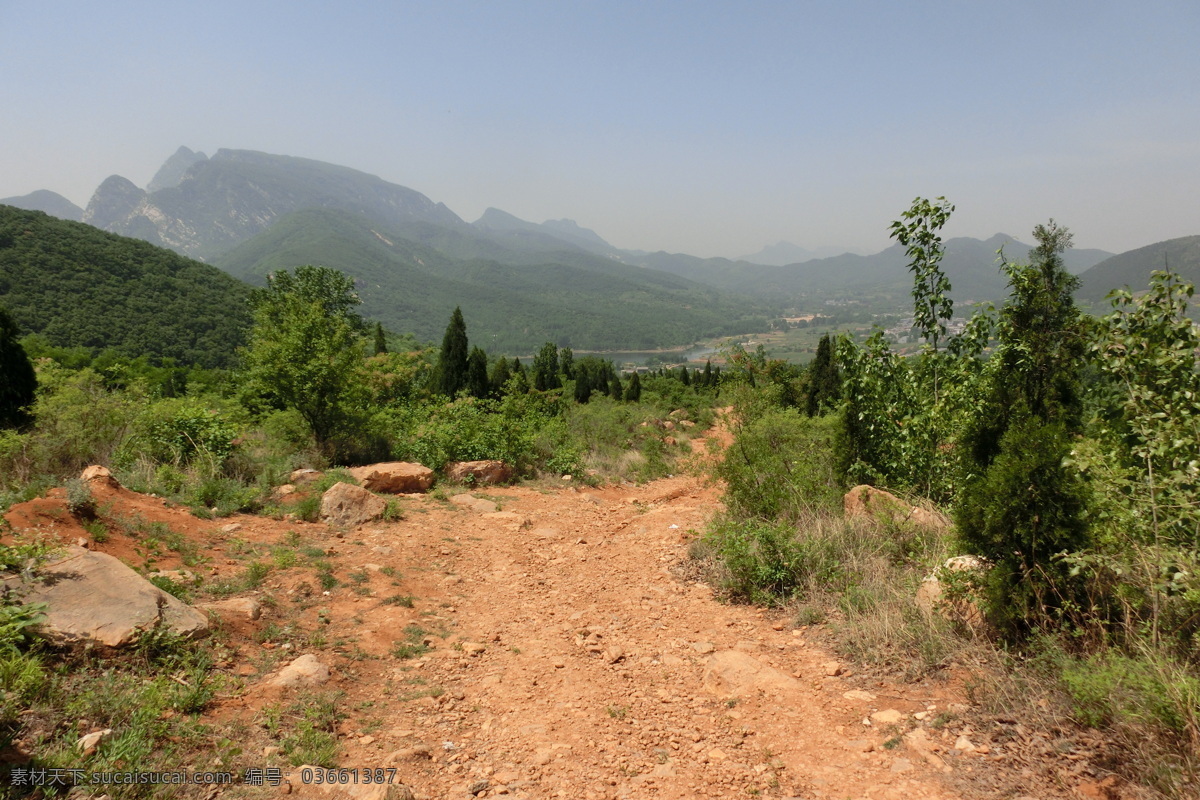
(701, 127)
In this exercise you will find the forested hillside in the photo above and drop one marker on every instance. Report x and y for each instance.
(412, 278)
(81, 287)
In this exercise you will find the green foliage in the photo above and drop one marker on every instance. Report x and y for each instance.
(305, 351)
(633, 392)
(452, 360)
(18, 382)
(781, 466)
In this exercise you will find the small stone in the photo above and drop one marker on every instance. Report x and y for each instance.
(414, 753)
(717, 754)
(888, 716)
(89, 744)
(832, 668)
(613, 654)
(473, 648)
(859, 694)
(558, 663)
(231, 527)
(920, 716)
(366, 740)
(963, 744)
(475, 787)
(704, 648)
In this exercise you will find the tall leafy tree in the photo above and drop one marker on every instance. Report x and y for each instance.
(18, 382)
(583, 387)
(566, 359)
(305, 351)
(452, 361)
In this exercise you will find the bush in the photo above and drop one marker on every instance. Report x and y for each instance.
(782, 466)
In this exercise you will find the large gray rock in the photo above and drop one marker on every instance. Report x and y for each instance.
(92, 598)
(394, 477)
(346, 506)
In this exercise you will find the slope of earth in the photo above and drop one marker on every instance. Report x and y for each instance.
(552, 648)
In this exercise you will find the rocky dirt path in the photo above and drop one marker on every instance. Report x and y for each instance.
(569, 659)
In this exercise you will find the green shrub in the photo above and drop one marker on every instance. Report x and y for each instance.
(80, 501)
(781, 466)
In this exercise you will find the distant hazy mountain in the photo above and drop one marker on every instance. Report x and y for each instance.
(1133, 268)
(784, 253)
(970, 264)
(51, 203)
(507, 226)
(237, 194)
(172, 171)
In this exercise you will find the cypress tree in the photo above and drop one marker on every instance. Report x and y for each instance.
(566, 360)
(615, 390)
(380, 339)
(18, 382)
(500, 376)
(518, 371)
(600, 382)
(824, 382)
(707, 379)
(452, 363)
(684, 377)
(583, 387)
(477, 377)
(1020, 505)
(633, 393)
(545, 368)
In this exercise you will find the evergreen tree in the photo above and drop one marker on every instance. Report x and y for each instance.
(615, 390)
(824, 382)
(521, 383)
(545, 368)
(500, 376)
(566, 360)
(477, 377)
(1020, 506)
(583, 387)
(684, 377)
(599, 382)
(707, 379)
(633, 393)
(452, 362)
(18, 382)
(380, 339)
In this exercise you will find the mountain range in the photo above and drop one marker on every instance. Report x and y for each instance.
(519, 282)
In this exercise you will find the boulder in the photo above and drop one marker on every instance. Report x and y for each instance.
(871, 503)
(99, 474)
(480, 473)
(731, 672)
(92, 598)
(394, 477)
(305, 671)
(302, 476)
(246, 607)
(347, 506)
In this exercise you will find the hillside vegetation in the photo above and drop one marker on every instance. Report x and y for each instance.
(412, 276)
(77, 286)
